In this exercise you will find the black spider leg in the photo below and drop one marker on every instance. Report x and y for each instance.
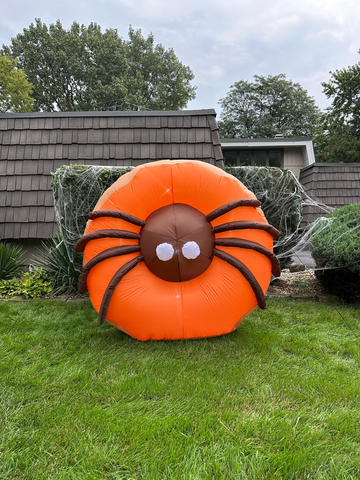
(244, 225)
(243, 202)
(113, 283)
(257, 247)
(243, 269)
(108, 253)
(112, 233)
(259, 294)
(116, 214)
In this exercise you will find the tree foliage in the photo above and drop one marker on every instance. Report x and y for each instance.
(85, 69)
(268, 106)
(15, 90)
(337, 136)
(334, 143)
(158, 80)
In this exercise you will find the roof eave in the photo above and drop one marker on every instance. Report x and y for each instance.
(110, 113)
(305, 142)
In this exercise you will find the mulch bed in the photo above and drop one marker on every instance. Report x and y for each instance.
(297, 285)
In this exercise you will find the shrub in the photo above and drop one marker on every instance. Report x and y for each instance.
(280, 195)
(335, 245)
(77, 189)
(11, 263)
(33, 284)
(59, 267)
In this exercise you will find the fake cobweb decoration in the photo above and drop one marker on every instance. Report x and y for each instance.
(77, 189)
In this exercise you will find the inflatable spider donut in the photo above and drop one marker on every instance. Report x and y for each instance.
(177, 249)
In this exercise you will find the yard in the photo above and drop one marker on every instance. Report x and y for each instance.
(277, 399)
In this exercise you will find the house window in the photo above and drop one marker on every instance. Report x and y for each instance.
(270, 157)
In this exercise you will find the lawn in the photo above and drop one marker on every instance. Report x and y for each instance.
(278, 399)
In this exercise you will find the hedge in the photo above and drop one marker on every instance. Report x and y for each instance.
(77, 188)
(335, 246)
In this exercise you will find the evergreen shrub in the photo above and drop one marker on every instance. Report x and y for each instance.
(280, 194)
(77, 189)
(335, 245)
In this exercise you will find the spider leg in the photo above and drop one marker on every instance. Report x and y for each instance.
(116, 214)
(109, 253)
(244, 225)
(241, 243)
(113, 283)
(243, 202)
(259, 294)
(81, 243)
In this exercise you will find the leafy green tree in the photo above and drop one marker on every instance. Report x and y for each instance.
(344, 88)
(158, 80)
(15, 90)
(268, 106)
(337, 136)
(85, 69)
(335, 143)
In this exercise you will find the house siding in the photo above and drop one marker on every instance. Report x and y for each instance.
(334, 184)
(293, 160)
(32, 145)
(298, 152)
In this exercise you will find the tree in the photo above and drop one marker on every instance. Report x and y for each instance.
(158, 80)
(335, 143)
(268, 106)
(337, 136)
(85, 69)
(15, 90)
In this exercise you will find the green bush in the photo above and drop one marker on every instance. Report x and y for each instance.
(335, 245)
(280, 195)
(33, 284)
(77, 189)
(11, 264)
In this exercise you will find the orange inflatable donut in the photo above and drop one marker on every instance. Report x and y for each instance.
(177, 249)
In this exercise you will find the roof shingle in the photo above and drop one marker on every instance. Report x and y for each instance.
(32, 145)
(334, 184)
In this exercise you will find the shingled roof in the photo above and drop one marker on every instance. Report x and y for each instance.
(32, 145)
(334, 184)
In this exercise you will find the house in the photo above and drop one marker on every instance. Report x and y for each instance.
(333, 185)
(32, 145)
(289, 153)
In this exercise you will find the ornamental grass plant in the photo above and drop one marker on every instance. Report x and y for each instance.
(11, 263)
(277, 399)
(62, 270)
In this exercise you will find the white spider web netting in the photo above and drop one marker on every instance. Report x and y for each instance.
(77, 188)
(283, 200)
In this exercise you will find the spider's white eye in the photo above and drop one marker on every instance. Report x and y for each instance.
(165, 251)
(191, 250)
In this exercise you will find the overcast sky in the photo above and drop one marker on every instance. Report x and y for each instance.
(222, 41)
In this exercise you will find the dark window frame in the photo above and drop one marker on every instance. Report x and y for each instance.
(239, 162)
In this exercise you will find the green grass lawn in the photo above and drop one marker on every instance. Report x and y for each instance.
(278, 399)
